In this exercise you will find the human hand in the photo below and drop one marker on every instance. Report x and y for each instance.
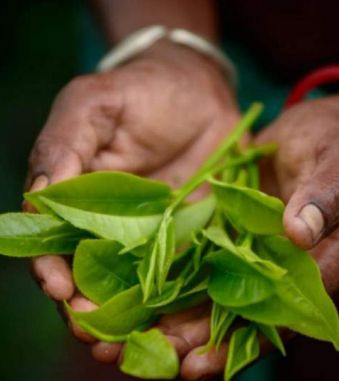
(304, 173)
(159, 115)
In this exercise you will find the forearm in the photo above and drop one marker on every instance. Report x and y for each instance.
(121, 17)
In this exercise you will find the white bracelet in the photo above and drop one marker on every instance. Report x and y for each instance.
(144, 38)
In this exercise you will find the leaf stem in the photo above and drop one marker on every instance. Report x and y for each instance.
(205, 170)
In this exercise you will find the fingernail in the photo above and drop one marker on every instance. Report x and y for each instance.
(313, 218)
(39, 183)
(27, 207)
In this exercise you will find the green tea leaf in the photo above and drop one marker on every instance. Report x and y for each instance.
(289, 307)
(273, 335)
(181, 261)
(305, 279)
(154, 267)
(243, 349)
(192, 294)
(108, 193)
(150, 355)
(221, 320)
(126, 230)
(244, 124)
(112, 205)
(146, 269)
(28, 235)
(100, 272)
(184, 303)
(137, 248)
(234, 283)
(170, 293)
(117, 318)
(265, 267)
(194, 288)
(166, 250)
(219, 237)
(191, 218)
(250, 209)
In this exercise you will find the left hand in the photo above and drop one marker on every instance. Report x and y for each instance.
(305, 174)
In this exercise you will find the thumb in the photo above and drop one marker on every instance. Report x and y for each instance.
(312, 212)
(49, 163)
(82, 121)
(52, 160)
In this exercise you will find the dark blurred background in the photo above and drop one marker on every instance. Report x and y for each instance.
(42, 48)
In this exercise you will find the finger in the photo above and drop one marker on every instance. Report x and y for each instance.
(189, 334)
(326, 253)
(181, 346)
(53, 160)
(312, 212)
(79, 303)
(106, 352)
(82, 121)
(199, 365)
(55, 276)
(39, 183)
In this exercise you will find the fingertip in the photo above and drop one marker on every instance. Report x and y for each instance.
(298, 232)
(305, 226)
(194, 333)
(59, 286)
(27, 207)
(80, 334)
(199, 365)
(39, 183)
(81, 304)
(55, 277)
(53, 160)
(106, 352)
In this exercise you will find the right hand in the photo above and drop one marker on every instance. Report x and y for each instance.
(160, 116)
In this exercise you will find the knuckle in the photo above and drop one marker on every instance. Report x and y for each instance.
(37, 159)
(40, 149)
(78, 90)
(48, 147)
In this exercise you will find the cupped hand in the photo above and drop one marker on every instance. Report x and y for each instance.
(160, 116)
(305, 174)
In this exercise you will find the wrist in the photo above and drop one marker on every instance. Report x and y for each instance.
(179, 54)
(144, 39)
(191, 64)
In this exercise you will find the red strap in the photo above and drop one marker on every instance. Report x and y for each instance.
(316, 78)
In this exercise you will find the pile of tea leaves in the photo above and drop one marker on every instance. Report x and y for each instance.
(141, 250)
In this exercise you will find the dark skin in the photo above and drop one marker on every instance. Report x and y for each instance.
(161, 115)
